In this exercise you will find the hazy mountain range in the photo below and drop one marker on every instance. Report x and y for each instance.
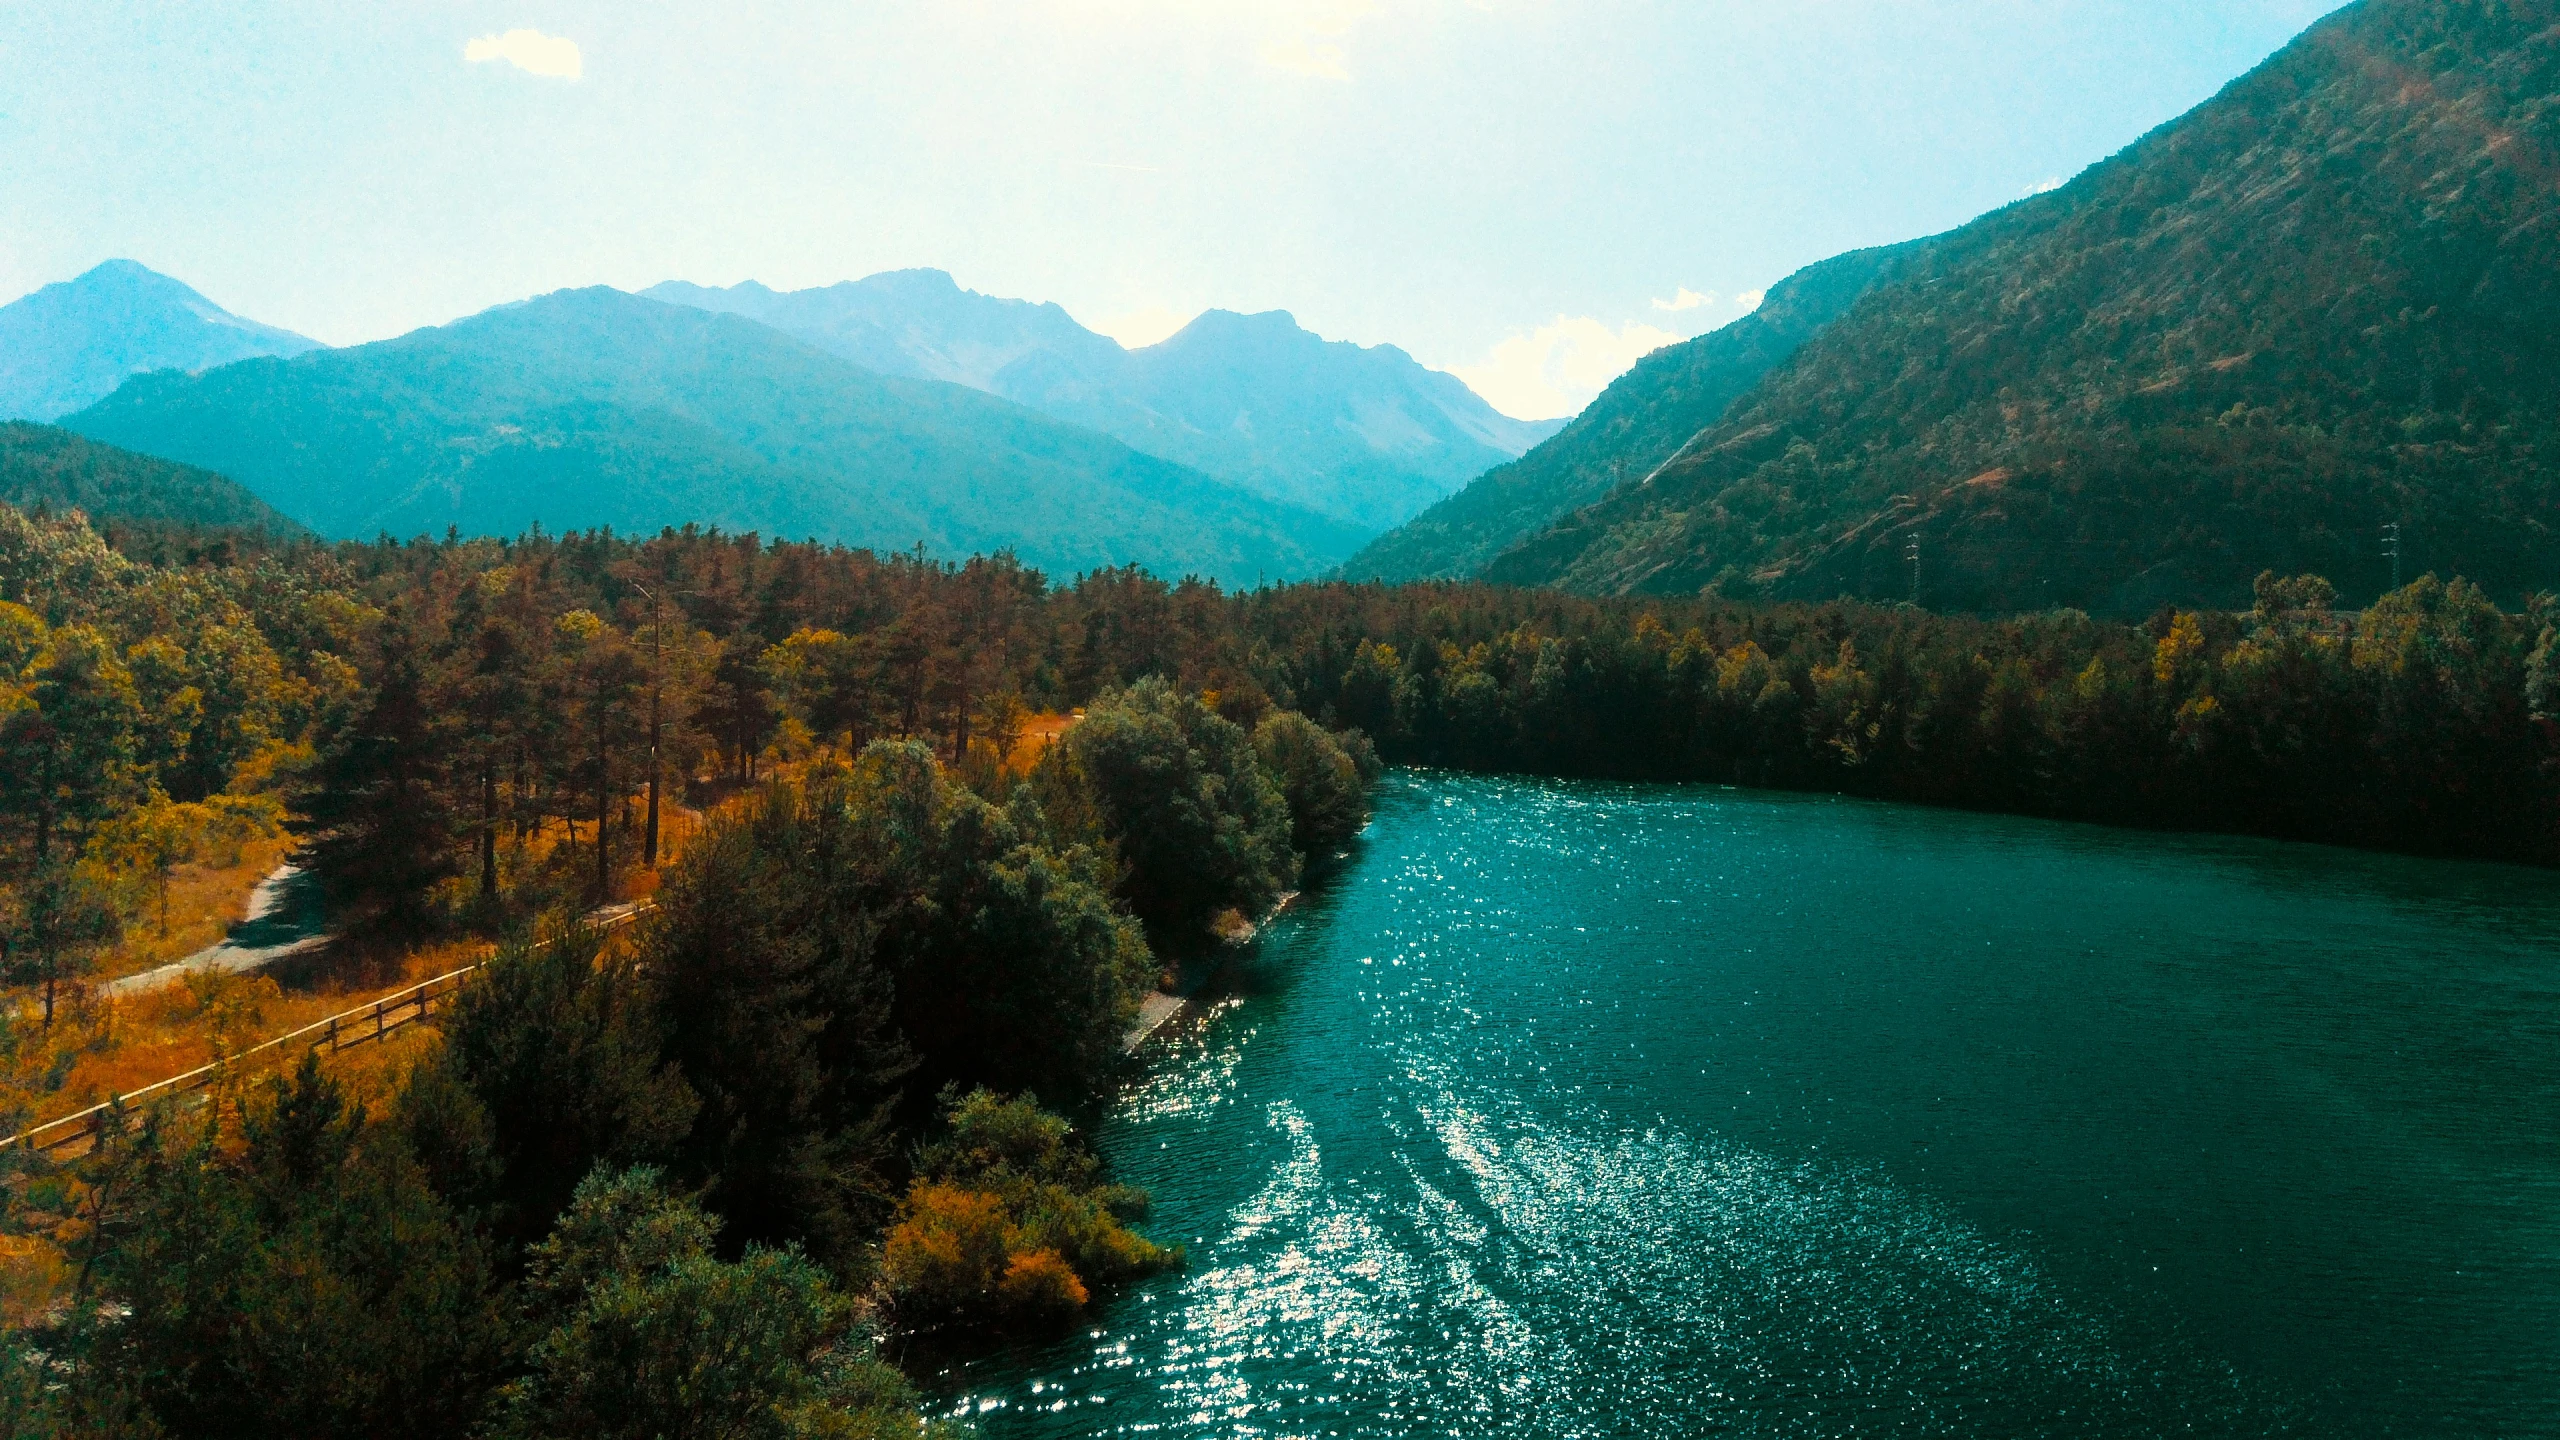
(593, 408)
(2324, 301)
(890, 412)
(1365, 435)
(70, 344)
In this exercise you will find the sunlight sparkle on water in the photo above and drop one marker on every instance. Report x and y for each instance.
(1586, 1110)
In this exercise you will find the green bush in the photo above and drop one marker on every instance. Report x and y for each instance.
(1181, 796)
(1323, 784)
(652, 1335)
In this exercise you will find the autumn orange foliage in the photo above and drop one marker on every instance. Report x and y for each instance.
(1010, 1225)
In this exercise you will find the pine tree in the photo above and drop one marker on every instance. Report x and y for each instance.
(382, 824)
(57, 920)
(66, 761)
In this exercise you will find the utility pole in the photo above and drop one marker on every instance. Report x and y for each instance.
(1911, 552)
(657, 688)
(2391, 547)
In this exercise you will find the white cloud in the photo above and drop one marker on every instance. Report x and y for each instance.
(1557, 368)
(1750, 300)
(530, 51)
(2045, 186)
(1141, 327)
(1685, 299)
(1306, 37)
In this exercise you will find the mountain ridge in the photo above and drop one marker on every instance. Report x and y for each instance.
(592, 407)
(1365, 434)
(71, 343)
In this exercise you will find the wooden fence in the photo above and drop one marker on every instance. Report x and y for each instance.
(360, 1026)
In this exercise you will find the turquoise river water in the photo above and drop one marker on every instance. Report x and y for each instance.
(1573, 1109)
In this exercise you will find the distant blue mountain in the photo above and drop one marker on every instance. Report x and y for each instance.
(917, 323)
(70, 344)
(1366, 435)
(594, 408)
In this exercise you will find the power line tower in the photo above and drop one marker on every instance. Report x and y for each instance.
(1911, 552)
(2391, 547)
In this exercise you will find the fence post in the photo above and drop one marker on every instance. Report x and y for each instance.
(338, 1038)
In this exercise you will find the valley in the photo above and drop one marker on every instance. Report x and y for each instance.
(1965, 848)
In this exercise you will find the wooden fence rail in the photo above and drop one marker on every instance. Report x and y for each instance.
(360, 1026)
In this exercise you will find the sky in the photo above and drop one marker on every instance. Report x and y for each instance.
(1529, 193)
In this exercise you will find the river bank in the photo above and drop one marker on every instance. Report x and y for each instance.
(1195, 982)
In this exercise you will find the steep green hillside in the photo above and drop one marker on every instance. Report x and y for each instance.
(42, 466)
(2325, 301)
(1635, 425)
(592, 407)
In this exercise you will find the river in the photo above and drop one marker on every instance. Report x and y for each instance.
(1577, 1109)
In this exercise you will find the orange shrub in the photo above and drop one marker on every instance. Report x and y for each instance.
(947, 1252)
(1039, 1288)
(1008, 1225)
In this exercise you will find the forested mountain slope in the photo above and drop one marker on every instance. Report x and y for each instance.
(1364, 434)
(43, 467)
(71, 343)
(2326, 300)
(595, 408)
(1641, 420)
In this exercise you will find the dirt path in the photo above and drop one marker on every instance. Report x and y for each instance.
(283, 919)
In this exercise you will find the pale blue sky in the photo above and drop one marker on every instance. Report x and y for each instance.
(1520, 190)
